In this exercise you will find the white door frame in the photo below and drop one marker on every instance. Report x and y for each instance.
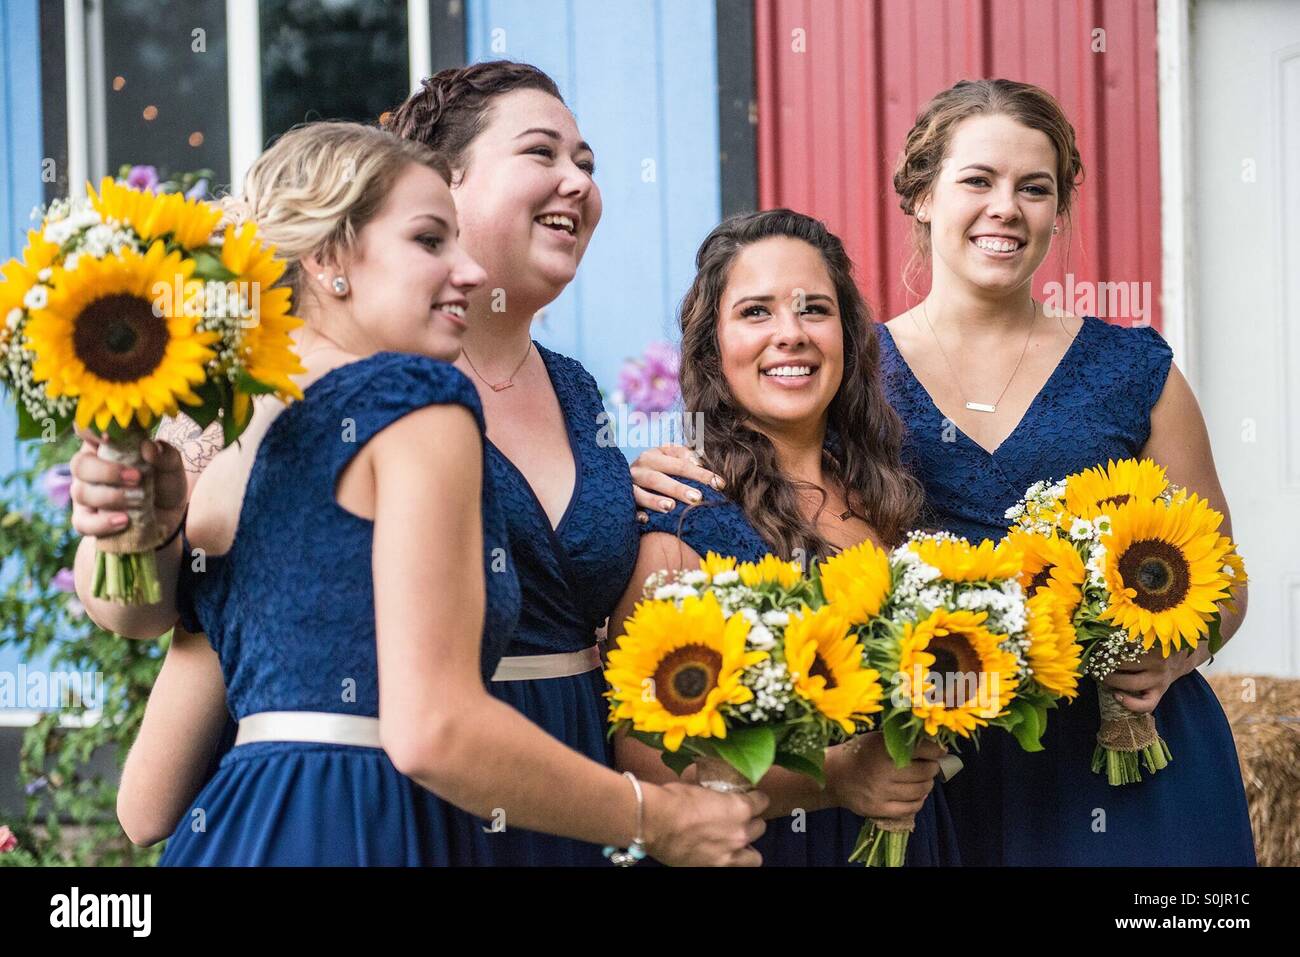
(1173, 45)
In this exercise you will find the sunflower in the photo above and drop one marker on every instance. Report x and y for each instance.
(266, 350)
(770, 570)
(189, 222)
(955, 671)
(21, 274)
(100, 339)
(1236, 569)
(857, 581)
(1093, 491)
(825, 663)
(959, 561)
(675, 667)
(1050, 563)
(714, 564)
(1164, 568)
(1054, 653)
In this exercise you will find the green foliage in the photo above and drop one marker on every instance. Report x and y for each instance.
(70, 815)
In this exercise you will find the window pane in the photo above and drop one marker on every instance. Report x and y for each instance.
(165, 85)
(331, 59)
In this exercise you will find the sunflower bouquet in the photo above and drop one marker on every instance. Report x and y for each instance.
(729, 668)
(126, 306)
(1134, 562)
(947, 626)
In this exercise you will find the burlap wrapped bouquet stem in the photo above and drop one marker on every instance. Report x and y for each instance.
(142, 533)
(717, 775)
(1124, 739)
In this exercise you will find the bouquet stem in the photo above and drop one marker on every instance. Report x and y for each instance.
(882, 842)
(1125, 739)
(126, 570)
(717, 775)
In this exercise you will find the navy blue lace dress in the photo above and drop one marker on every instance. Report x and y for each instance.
(1048, 808)
(290, 612)
(571, 576)
(719, 525)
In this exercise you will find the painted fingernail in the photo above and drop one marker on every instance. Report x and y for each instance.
(119, 521)
(134, 496)
(717, 482)
(694, 495)
(666, 504)
(642, 517)
(130, 475)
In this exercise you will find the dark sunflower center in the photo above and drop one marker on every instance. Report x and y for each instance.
(819, 669)
(119, 338)
(1157, 571)
(1040, 580)
(956, 669)
(1119, 499)
(685, 677)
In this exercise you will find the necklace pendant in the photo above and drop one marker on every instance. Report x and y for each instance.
(981, 407)
(501, 386)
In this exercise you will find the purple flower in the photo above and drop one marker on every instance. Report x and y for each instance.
(198, 191)
(649, 383)
(64, 580)
(143, 178)
(56, 483)
(37, 786)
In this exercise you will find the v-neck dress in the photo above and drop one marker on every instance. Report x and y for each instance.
(571, 576)
(1049, 808)
(824, 838)
(289, 610)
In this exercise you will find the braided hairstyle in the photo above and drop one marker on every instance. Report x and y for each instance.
(452, 107)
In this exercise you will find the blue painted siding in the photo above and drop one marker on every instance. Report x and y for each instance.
(641, 77)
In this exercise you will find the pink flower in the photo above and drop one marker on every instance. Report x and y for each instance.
(7, 840)
(56, 482)
(64, 580)
(649, 383)
(143, 178)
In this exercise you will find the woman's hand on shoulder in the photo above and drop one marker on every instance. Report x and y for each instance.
(654, 485)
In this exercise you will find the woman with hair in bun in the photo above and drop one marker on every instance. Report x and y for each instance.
(996, 393)
(365, 724)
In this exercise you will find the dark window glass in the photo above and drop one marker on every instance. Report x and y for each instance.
(331, 59)
(165, 86)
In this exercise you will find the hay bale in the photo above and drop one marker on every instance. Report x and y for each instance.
(1265, 716)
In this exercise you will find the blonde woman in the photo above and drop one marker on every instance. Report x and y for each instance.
(352, 586)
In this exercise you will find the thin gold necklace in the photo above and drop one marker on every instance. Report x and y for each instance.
(982, 406)
(509, 380)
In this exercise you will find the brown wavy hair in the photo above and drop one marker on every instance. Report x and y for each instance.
(454, 106)
(865, 432)
(928, 141)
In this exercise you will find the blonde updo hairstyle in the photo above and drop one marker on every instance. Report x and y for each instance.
(928, 141)
(314, 190)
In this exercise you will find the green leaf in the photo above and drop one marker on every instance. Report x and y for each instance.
(208, 267)
(1029, 729)
(751, 751)
(678, 761)
(898, 740)
(1216, 635)
(802, 764)
(246, 383)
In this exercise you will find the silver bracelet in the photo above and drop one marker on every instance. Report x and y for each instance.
(635, 851)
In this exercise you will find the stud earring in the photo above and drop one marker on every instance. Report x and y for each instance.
(1055, 230)
(340, 285)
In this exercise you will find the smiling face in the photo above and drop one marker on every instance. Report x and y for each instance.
(780, 339)
(408, 274)
(527, 201)
(993, 203)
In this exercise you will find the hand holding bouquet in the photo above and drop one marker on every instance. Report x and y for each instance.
(1135, 563)
(946, 625)
(127, 306)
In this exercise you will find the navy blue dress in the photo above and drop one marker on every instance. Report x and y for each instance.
(571, 576)
(1049, 808)
(719, 525)
(290, 612)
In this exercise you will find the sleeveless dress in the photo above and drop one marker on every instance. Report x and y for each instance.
(1049, 808)
(718, 524)
(290, 612)
(571, 576)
